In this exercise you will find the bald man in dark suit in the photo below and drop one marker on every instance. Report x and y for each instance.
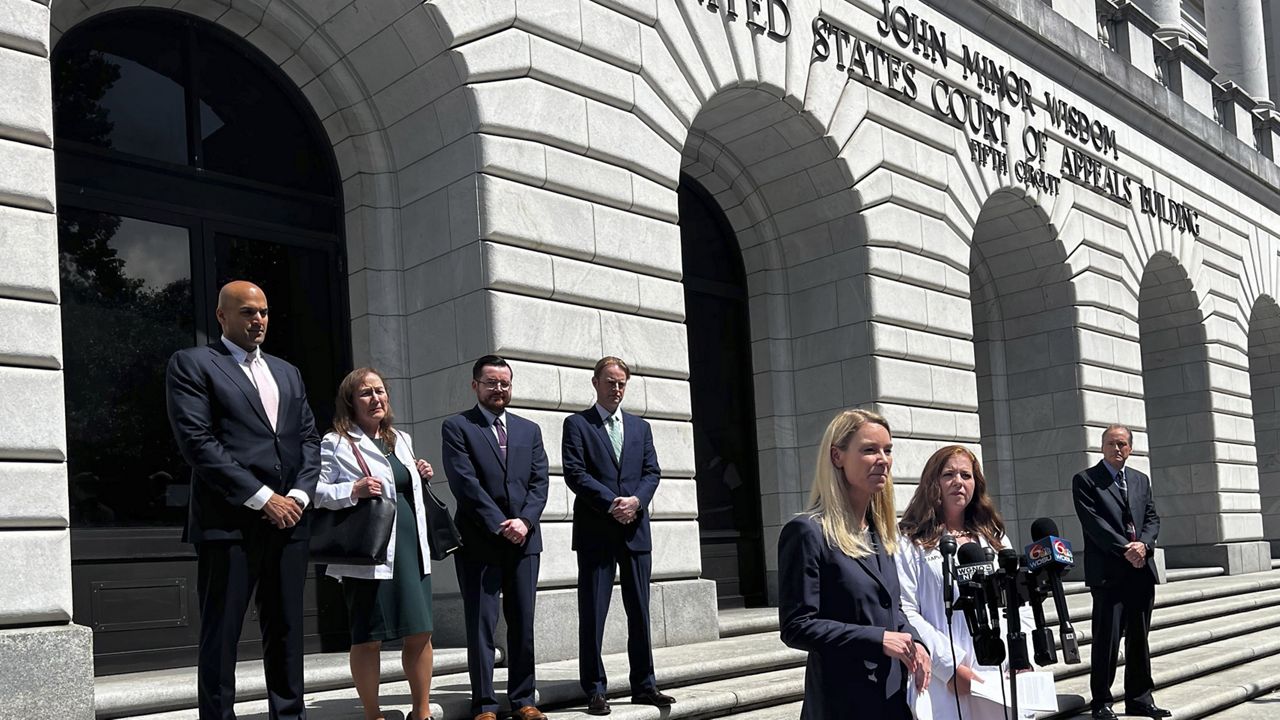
(242, 422)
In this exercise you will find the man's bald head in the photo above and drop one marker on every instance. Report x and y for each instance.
(242, 313)
(236, 291)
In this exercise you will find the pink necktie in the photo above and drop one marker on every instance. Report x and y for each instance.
(266, 389)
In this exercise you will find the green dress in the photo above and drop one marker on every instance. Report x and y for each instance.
(399, 607)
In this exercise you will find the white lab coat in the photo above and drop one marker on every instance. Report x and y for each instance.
(920, 582)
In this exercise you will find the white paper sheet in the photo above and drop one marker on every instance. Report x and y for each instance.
(1036, 691)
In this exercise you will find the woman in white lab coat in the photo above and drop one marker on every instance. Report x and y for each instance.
(951, 498)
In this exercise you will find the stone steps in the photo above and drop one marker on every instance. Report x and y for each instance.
(127, 695)
(1196, 680)
(1215, 643)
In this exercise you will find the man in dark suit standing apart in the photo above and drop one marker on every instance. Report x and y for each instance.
(1120, 527)
(242, 422)
(611, 466)
(497, 470)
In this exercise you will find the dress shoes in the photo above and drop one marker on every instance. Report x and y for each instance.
(528, 712)
(1146, 709)
(1103, 713)
(598, 705)
(652, 697)
(486, 716)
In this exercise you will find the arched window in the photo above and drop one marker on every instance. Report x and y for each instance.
(184, 159)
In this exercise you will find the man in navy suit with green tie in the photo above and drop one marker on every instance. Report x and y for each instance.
(611, 466)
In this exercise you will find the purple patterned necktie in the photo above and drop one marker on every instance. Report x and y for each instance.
(502, 438)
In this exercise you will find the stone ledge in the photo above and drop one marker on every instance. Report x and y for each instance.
(48, 672)
(1237, 558)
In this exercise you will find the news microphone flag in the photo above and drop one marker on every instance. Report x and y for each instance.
(1051, 549)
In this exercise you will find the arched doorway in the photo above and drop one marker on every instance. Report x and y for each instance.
(1264, 381)
(722, 396)
(1028, 364)
(184, 159)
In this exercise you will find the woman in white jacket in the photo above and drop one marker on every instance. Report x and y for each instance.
(951, 498)
(391, 601)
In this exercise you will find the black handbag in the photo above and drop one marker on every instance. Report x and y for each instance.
(442, 534)
(356, 535)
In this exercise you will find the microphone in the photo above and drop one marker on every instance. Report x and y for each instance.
(1046, 650)
(1051, 555)
(972, 561)
(947, 546)
(975, 575)
(1017, 639)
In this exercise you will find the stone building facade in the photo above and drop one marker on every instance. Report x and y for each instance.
(1005, 224)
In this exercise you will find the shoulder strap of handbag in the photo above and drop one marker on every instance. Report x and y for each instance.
(364, 466)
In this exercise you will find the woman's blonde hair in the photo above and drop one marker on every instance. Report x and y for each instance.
(829, 499)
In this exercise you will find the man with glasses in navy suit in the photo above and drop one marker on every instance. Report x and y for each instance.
(1120, 525)
(612, 469)
(497, 470)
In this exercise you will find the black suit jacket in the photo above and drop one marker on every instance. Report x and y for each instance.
(596, 480)
(1099, 507)
(838, 610)
(489, 490)
(222, 431)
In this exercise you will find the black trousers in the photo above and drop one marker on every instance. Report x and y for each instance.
(1122, 608)
(515, 578)
(595, 590)
(228, 573)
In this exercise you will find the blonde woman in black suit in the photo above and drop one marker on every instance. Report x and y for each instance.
(838, 586)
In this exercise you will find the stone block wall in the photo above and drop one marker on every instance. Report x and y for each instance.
(47, 660)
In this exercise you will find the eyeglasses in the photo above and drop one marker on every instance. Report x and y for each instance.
(495, 385)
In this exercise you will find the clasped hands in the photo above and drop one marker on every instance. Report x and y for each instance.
(281, 511)
(912, 654)
(625, 509)
(1136, 553)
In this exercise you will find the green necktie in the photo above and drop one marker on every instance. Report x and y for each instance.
(615, 436)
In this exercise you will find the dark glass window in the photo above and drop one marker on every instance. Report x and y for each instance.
(250, 129)
(722, 395)
(147, 86)
(126, 306)
(180, 157)
(300, 330)
(125, 91)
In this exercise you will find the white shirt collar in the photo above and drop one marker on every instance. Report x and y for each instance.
(239, 353)
(605, 414)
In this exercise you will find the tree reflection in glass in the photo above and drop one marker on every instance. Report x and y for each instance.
(126, 307)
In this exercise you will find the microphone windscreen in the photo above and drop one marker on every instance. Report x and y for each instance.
(1043, 528)
(947, 545)
(971, 553)
(1008, 560)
